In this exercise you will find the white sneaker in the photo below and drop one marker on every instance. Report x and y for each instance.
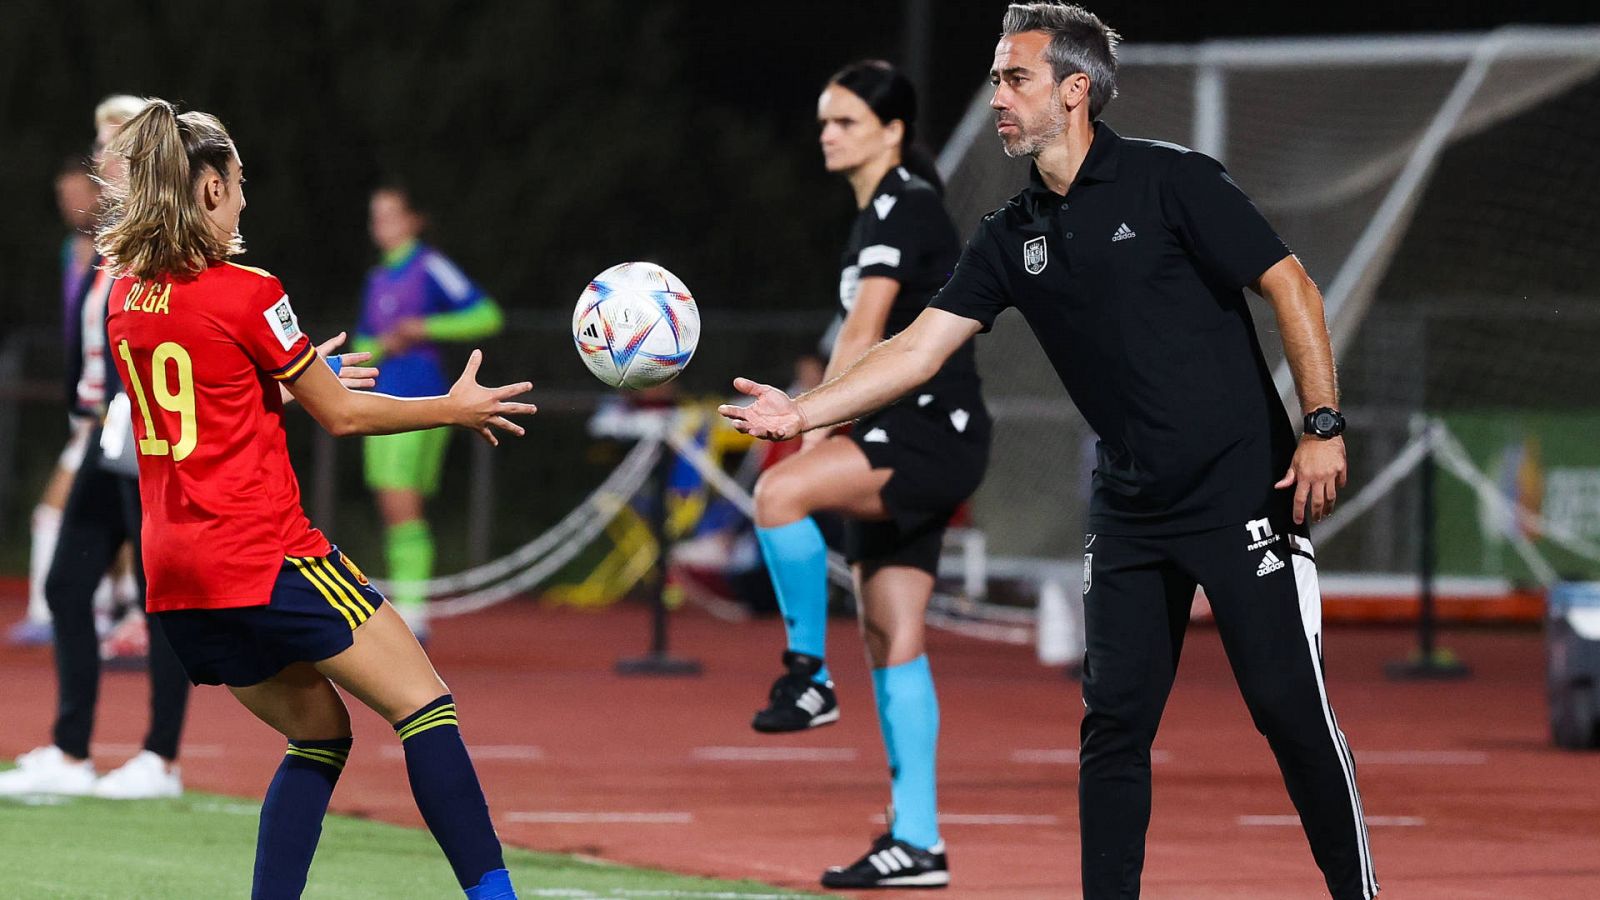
(47, 770)
(145, 777)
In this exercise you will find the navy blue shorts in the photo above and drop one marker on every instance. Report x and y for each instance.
(317, 603)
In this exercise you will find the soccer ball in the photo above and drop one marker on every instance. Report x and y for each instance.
(636, 325)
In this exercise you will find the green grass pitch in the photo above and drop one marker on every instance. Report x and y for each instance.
(202, 845)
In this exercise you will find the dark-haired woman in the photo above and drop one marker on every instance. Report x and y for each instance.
(896, 477)
(248, 593)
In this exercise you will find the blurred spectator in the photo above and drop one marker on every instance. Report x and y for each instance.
(415, 298)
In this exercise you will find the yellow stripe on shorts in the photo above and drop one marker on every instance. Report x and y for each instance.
(300, 564)
(325, 572)
(334, 571)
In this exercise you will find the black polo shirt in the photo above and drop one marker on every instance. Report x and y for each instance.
(1133, 284)
(905, 234)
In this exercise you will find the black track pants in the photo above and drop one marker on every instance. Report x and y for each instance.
(102, 512)
(1260, 578)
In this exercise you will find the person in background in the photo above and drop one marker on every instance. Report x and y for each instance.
(76, 197)
(896, 479)
(101, 514)
(414, 299)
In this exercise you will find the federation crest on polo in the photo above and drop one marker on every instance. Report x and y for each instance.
(1034, 256)
(636, 325)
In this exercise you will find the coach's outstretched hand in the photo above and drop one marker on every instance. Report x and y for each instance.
(773, 417)
(479, 407)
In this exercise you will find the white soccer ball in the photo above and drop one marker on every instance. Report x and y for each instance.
(636, 325)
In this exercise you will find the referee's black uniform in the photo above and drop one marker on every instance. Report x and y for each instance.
(1133, 283)
(936, 439)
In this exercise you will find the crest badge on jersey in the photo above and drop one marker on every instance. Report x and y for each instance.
(1034, 255)
(1088, 572)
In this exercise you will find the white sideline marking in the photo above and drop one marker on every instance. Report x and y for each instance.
(1286, 821)
(986, 819)
(1069, 757)
(775, 754)
(518, 752)
(631, 892)
(197, 751)
(1422, 757)
(555, 817)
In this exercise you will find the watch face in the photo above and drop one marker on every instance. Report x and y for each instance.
(1325, 422)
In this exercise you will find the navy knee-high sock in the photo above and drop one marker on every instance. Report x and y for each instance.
(448, 794)
(291, 816)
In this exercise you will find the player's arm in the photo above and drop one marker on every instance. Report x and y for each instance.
(883, 375)
(350, 367)
(468, 405)
(1319, 467)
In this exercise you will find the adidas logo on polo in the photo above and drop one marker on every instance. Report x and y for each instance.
(1123, 233)
(1269, 564)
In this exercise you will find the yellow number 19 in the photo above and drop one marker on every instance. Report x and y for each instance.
(180, 402)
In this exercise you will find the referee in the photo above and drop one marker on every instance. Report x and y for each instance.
(1128, 258)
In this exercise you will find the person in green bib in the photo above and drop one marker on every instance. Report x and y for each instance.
(414, 300)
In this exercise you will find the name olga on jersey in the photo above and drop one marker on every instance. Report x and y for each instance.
(150, 297)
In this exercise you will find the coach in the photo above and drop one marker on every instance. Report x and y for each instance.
(1128, 258)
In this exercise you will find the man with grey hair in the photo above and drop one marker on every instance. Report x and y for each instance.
(1128, 259)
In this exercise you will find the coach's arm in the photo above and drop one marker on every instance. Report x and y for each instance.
(1319, 468)
(886, 373)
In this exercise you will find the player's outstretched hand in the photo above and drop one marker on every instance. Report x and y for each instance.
(1316, 473)
(478, 407)
(352, 374)
(772, 417)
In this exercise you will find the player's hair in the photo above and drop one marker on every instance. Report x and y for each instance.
(117, 109)
(1079, 42)
(153, 224)
(890, 95)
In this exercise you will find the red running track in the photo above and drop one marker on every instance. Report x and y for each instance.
(1464, 795)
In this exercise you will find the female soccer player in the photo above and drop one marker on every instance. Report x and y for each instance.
(414, 299)
(249, 594)
(897, 476)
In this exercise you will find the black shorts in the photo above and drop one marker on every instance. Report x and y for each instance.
(938, 446)
(316, 605)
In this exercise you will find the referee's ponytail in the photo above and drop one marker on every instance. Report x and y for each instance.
(890, 95)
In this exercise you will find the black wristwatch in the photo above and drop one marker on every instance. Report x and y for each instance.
(1324, 422)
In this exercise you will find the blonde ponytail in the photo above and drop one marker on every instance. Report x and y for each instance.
(153, 225)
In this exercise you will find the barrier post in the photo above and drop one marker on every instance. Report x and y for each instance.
(659, 660)
(1429, 661)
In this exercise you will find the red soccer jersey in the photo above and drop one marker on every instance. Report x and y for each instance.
(201, 359)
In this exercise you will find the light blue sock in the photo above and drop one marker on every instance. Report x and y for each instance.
(908, 713)
(797, 560)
